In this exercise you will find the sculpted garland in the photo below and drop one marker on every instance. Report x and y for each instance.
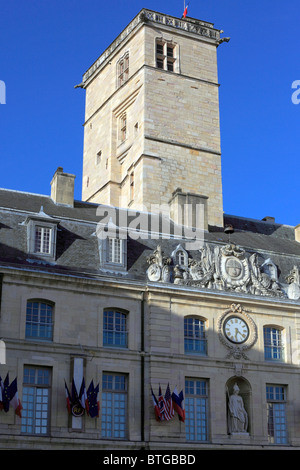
(226, 268)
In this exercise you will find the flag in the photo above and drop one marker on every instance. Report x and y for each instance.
(83, 397)
(177, 401)
(68, 398)
(156, 407)
(93, 403)
(5, 393)
(14, 398)
(185, 11)
(74, 393)
(161, 404)
(169, 409)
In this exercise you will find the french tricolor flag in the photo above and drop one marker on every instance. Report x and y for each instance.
(14, 399)
(177, 401)
(185, 11)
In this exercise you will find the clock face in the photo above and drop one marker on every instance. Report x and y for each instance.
(236, 330)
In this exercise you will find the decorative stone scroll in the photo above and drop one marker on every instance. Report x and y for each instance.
(226, 268)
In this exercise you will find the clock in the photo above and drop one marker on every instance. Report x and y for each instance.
(236, 330)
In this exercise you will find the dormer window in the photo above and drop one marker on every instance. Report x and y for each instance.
(41, 235)
(112, 243)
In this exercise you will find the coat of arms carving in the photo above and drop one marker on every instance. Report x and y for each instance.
(227, 268)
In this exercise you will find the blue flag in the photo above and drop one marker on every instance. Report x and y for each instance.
(92, 398)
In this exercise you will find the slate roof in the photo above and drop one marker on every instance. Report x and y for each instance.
(77, 250)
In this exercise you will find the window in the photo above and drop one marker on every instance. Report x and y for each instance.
(194, 336)
(196, 408)
(131, 182)
(273, 344)
(113, 250)
(114, 254)
(123, 128)
(114, 328)
(180, 257)
(98, 157)
(276, 412)
(41, 235)
(36, 401)
(39, 320)
(165, 55)
(42, 240)
(114, 406)
(123, 69)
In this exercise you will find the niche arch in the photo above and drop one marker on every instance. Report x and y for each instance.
(245, 392)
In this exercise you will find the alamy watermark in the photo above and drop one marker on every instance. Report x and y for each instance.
(296, 94)
(156, 223)
(2, 92)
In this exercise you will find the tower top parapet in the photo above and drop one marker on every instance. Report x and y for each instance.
(185, 25)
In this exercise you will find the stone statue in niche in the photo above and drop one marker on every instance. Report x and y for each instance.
(237, 415)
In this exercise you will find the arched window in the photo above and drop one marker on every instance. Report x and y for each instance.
(39, 320)
(195, 341)
(115, 328)
(273, 345)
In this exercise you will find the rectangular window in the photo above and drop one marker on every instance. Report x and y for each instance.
(114, 254)
(273, 344)
(42, 240)
(123, 128)
(194, 336)
(131, 186)
(165, 56)
(196, 408)
(276, 414)
(123, 69)
(114, 406)
(36, 401)
(39, 320)
(114, 328)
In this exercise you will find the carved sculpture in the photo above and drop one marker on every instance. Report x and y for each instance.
(227, 268)
(159, 266)
(293, 279)
(237, 415)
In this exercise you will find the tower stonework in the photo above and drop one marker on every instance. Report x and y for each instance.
(152, 116)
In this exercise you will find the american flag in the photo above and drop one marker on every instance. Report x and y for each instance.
(169, 409)
(161, 404)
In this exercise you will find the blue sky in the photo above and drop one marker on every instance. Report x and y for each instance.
(46, 46)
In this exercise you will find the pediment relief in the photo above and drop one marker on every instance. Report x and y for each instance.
(224, 268)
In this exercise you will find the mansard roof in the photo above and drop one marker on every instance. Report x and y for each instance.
(77, 247)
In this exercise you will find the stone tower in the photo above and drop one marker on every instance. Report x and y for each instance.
(151, 132)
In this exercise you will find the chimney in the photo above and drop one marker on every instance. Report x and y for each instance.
(189, 210)
(62, 187)
(297, 233)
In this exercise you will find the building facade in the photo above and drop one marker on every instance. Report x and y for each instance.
(145, 285)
